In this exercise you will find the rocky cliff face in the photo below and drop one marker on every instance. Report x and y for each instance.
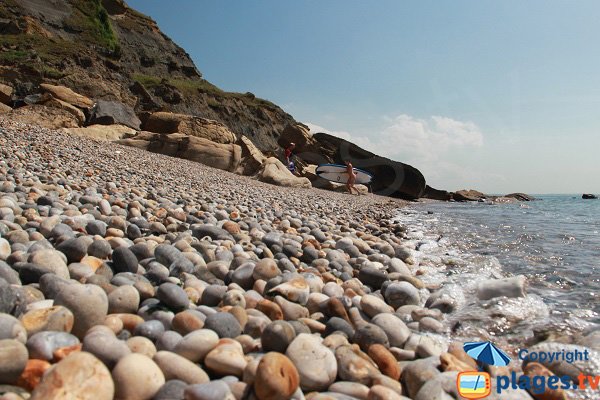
(106, 50)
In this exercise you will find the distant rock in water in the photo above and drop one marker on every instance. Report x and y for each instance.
(520, 196)
(589, 196)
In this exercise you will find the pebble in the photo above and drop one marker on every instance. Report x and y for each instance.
(177, 367)
(171, 390)
(224, 324)
(277, 336)
(227, 358)
(13, 360)
(214, 390)
(276, 377)
(81, 375)
(42, 345)
(197, 344)
(12, 328)
(135, 377)
(88, 303)
(124, 299)
(315, 363)
(124, 260)
(398, 294)
(369, 334)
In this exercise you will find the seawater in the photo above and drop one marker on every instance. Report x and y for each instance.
(554, 242)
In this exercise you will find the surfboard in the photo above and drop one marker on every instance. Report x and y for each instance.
(337, 173)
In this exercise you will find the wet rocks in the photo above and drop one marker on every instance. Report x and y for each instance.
(508, 287)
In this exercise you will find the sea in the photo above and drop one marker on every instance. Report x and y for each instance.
(553, 241)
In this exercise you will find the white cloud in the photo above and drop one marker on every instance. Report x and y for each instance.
(427, 144)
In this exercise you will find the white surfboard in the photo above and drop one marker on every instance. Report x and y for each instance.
(337, 173)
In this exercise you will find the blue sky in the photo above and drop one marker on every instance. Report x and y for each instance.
(500, 96)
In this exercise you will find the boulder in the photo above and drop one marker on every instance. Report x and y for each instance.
(103, 132)
(520, 196)
(217, 155)
(167, 123)
(5, 94)
(63, 105)
(4, 108)
(436, 194)
(391, 178)
(276, 173)
(252, 158)
(113, 112)
(468, 195)
(67, 95)
(301, 136)
(589, 196)
(46, 117)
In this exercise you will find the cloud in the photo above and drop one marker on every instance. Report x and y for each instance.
(428, 144)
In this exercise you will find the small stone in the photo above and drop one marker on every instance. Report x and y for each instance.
(396, 330)
(188, 321)
(81, 375)
(277, 336)
(96, 228)
(356, 390)
(137, 377)
(428, 324)
(171, 390)
(534, 369)
(152, 329)
(196, 345)
(141, 345)
(398, 294)
(214, 390)
(173, 296)
(175, 366)
(88, 303)
(372, 277)
(124, 260)
(385, 361)
(315, 363)
(102, 343)
(266, 269)
(224, 324)
(57, 318)
(380, 392)
(75, 249)
(13, 360)
(370, 334)
(42, 345)
(354, 365)
(33, 373)
(276, 377)
(124, 299)
(100, 249)
(373, 305)
(227, 358)
(12, 328)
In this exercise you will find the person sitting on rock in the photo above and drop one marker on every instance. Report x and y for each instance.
(351, 178)
(288, 157)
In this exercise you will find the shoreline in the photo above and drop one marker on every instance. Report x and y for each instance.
(190, 260)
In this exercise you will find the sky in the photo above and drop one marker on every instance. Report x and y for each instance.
(498, 96)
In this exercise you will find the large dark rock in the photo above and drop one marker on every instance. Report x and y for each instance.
(589, 196)
(468, 195)
(391, 178)
(520, 196)
(436, 194)
(113, 112)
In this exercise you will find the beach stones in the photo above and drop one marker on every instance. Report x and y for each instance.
(171, 390)
(373, 305)
(74, 249)
(265, 269)
(196, 345)
(316, 364)
(386, 362)
(137, 377)
(398, 294)
(224, 324)
(277, 336)
(81, 375)
(12, 328)
(214, 390)
(372, 277)
(227, 358)
(173, 296)
(42, 345)
(102, 343)
(13, 360)
(354, 365)
(177, 367)
(88, 303)
(276, 377)
(369, 334)
(124, 260)
(394, 328)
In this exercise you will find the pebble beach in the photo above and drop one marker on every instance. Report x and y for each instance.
(126, 274)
